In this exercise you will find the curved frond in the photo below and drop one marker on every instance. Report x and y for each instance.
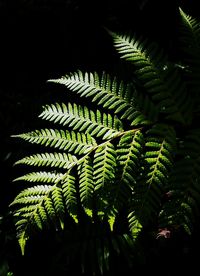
(78, 143)
(32, 195)
(190, 30)
(151, 64)
(110, 94)
(82, 119)
(30, 211)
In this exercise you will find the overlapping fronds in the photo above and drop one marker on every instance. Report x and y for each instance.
(129, 163)
(151, 66)
(106, 92)
(81, 118)
(129, 152)
(184, 185)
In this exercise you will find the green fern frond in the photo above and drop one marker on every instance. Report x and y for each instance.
(57, 206)
(47, 177)
(128, 152)
(82, 119)
(56, 159)
(104, 165)
(68, 185)
(32, 195)
(79, 143)
(158, 163)
(190, 31)
(150, 66)
(30, 198)
(160, 146)
(86, 183)
(106, 92)
(134, 224)
(140, 51)
(37, 206)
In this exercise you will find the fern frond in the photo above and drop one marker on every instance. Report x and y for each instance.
(190, 29)
(158, 162)
(86, 183)
(184, 186)
(82, 119)
(160, 147)
(128, 152)
(140, 51)
(79, 142)
(106, 92)
(68, 185)
(104, 165)
(190, 45)
(134, 225)
(55, 205)
(150, 63)
(37, 206)
(56, 159)
(47, 177)
(32, 195)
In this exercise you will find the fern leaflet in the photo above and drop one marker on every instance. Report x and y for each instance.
(82, 119)
(79, 142)
(56, 159)
(105, 92)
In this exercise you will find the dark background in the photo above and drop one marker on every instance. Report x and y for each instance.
(43, 39)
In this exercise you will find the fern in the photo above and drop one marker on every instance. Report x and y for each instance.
(83, 119)
(60, 139)
(150, 64)
(86, 181)
(190, 46)
(48, 177)
(105, 92)
(56, 159)
(112, 165)
(184, 181)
